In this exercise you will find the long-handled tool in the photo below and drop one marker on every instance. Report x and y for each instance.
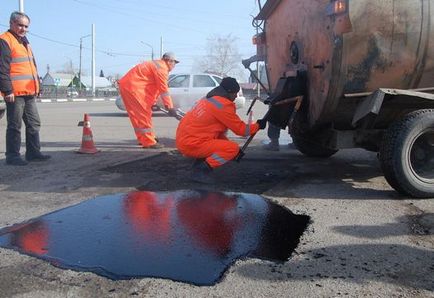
(297, 101)
(246, 144)
(179, 113)
(246, 63)
(252, 104)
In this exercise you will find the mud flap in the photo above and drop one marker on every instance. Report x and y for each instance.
(283, 100)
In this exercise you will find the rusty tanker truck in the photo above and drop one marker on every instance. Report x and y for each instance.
(363, 76)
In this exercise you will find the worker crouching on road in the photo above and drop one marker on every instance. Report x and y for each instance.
(140, 88)
(201, 133)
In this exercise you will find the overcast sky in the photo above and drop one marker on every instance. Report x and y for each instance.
(123, 26)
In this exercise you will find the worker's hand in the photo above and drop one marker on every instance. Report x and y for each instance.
(172, 112)
(9, 98)
(267, 101)
(262, 123)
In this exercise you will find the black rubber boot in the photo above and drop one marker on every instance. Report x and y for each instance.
(272, 146)
(201, 172)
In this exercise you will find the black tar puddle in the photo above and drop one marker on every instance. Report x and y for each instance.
(187, 236)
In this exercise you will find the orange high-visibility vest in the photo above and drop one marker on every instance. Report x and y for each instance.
(23, 73)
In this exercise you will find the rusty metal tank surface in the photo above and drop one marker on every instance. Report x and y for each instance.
(187, 236)
(375, 44)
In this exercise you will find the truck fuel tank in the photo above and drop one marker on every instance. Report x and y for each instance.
(349, 47)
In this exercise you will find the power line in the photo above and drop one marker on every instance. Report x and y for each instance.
(106, 52)
(109, 53)
(197, 13)
(116, 11)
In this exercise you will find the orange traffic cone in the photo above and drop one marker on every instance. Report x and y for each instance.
(87, 145)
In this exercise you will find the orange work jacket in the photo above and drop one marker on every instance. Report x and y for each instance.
(23, 73)
(209, 119)
(147, 80)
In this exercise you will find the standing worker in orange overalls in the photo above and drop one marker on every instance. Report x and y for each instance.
(140, 88)
(201, 133)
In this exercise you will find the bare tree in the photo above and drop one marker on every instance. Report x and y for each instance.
(222, 57)
(68, 67)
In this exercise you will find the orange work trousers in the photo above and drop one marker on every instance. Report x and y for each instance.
(216, 152)
(140, 114)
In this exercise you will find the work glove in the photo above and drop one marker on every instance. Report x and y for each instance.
(262, 123)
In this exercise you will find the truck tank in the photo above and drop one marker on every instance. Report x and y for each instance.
(369, 45)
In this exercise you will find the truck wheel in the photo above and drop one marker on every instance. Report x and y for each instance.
(407, 154)
(305, 141)
(306, 145)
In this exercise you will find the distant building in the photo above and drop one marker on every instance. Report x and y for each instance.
(62, 84)
(58, 79)
(100, 82)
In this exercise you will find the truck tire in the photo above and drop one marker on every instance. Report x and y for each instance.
(407, 154)
(305, 141)
(306, 145)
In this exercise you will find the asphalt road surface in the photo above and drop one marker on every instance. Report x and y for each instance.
(364, 239)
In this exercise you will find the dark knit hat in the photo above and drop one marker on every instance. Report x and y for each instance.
(230, 85)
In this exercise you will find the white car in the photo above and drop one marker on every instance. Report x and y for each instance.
(187, 89)
(71, 93)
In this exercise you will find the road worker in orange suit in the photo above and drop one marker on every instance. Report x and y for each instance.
(140, 88)
(201, 133)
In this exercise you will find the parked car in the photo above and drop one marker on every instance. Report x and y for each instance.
(186, 89)
(71, 92)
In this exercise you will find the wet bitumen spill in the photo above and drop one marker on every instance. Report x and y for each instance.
(187, 236)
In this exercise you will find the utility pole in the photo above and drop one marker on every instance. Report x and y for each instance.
(257, 71)
(93, 59)
(79, 67)
(21, 5)
(161, 46)
(152, 49)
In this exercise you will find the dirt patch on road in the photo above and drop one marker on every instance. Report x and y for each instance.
(171, 171)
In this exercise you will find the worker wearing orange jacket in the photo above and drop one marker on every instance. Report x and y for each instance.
(201, 133)
(140, 88)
